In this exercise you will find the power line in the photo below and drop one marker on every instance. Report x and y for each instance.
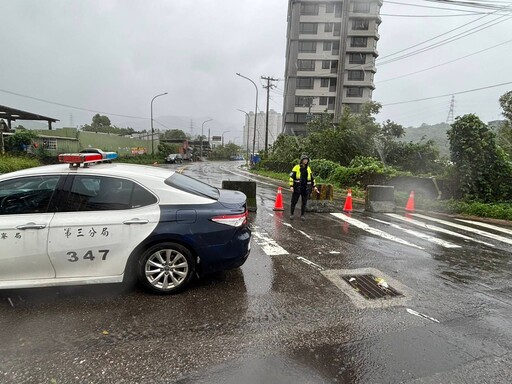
(450, 39)
(445, 63)
(70, 106)
(449, 94)
(433, 38)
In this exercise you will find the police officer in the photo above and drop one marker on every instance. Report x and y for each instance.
(302, 183)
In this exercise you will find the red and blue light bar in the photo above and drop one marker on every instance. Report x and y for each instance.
(75, 159)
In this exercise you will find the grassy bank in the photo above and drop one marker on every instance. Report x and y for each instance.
(14, 163)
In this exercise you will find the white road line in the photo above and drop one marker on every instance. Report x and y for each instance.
(268, 245)
(416, 313)
(485, 225)
(421, 235)
(310, 263)
(373, 231)
(437, 229)
(467, 229)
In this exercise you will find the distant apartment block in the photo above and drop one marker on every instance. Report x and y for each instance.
(330, 58)
(275, 126)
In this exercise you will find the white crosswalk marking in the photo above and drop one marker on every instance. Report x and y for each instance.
(466, 228)
(268, 245)
(373, 231)
(485, 225)
(421, 235)
(437, 229)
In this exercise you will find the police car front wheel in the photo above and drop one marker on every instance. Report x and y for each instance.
(166, 268)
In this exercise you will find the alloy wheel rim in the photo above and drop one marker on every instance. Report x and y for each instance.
(166, 269)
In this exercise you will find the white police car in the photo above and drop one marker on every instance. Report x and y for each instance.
(86, 223)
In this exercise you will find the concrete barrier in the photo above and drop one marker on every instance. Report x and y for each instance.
(380, 198)
(247, 187)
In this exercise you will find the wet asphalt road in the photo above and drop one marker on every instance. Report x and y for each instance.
(284, 317)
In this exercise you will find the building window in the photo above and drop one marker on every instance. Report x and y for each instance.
(324, 82)
(337, 9)
(361, 7)
(323, 100)
(332, 86)
(354, 108)
(330, 102)
(360, 24)
(49, 143)
(354, 92)
(356, 75)
(334, 66)
(329, 8)
(358, 41)
(307, 46)
(303, 101)
(301, 118)
(357, 58)
(327, 45)
(308, 28)
(326, 64)
(328, 27)
(336, 48)
(305, 82)
(337, 29)
(309, 9)
(306, 65)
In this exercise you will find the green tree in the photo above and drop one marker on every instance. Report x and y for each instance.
(506, 105)
(20, 140)
(225, 152)
(174, 134)
(168, 148)
(352, 136)
(288, 148)
(482, 172)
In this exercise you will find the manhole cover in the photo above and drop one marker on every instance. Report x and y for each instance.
(371, 287)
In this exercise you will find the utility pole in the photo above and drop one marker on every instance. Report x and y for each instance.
(268, 87)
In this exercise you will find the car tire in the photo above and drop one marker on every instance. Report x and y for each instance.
(166, 268)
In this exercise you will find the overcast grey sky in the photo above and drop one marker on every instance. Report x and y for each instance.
(113, 56)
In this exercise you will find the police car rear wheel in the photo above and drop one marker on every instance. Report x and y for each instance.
(166, 268)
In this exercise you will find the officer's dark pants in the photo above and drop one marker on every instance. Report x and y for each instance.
(295, 199)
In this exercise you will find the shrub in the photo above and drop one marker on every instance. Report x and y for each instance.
(11, 163)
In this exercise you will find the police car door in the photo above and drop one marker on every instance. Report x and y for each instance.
(25, 215)
(98, 226)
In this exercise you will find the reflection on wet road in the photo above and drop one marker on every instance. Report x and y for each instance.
(278, 319)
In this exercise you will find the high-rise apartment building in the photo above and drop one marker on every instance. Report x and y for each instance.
(275, 125)
(330, 58)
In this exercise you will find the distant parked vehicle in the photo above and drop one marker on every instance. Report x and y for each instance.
(174, 158)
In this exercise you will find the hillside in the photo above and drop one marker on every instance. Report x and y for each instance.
(437, 132)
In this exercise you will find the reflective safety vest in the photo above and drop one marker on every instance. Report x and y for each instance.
(295, 176)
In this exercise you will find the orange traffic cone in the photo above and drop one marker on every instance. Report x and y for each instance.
(278, 206)
(410, 203)
(348, 202)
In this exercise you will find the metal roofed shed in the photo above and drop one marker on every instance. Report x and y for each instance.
(12, 114)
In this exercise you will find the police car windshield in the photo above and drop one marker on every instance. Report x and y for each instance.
(188, 184)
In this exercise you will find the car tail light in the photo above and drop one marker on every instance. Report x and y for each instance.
(233, 220)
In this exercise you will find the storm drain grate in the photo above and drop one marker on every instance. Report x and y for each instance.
(371, 287)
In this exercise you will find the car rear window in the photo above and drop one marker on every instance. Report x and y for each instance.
(188, 184)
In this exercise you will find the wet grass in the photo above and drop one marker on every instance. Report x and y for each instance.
(10, 163)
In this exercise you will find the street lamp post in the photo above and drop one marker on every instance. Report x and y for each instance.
(247, 146)
(255, 113)
(152, 129)
(223, 137)
(202, 133)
